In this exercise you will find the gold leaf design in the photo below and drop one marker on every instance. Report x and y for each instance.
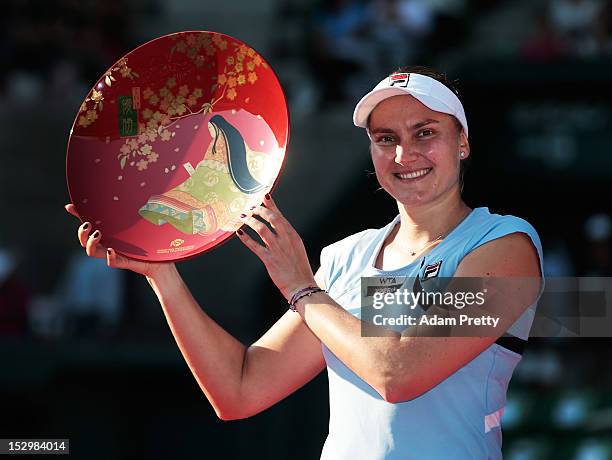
(97, 97)
(173, 100)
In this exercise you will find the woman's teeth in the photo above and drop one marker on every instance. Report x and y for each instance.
(413, 174)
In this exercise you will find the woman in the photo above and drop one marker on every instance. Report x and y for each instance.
(391, 397)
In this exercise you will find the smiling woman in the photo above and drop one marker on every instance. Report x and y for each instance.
(415, 150)
(400, 394)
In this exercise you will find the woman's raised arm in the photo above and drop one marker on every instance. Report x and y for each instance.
(239, 381)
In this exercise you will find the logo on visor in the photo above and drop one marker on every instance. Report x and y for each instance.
(399, 79)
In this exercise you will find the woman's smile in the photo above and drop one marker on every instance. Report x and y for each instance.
(411, 176)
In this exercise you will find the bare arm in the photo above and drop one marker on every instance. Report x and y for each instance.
(238, 381)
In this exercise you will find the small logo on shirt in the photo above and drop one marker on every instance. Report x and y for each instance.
(399, 79)
(431, 270)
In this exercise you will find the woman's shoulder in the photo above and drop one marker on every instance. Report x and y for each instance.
(353, 250)
(359, 240)
(487, 221)
(351, 240)
(486, 226)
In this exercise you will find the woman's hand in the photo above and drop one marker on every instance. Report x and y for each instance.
(284, 254)
(91, 242)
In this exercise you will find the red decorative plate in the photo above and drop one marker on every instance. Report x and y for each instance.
(174, 142)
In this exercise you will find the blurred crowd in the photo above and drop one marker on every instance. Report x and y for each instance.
(570, 28)
(340, 46)
(53, 48)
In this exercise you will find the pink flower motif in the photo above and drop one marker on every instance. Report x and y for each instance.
(125, 149)
(142, 165)
(152, 158)
(165, 135)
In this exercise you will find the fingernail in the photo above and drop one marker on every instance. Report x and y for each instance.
(243, 215)
(240, 232)
(96, 234)
(109, 251)
(86, 226)
(267, 196)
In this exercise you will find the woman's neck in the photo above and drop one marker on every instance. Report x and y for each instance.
(423, 224)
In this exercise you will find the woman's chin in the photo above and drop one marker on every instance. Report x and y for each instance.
(413, 199)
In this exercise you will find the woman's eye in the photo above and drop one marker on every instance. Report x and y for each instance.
(425, 133)
(386, 139)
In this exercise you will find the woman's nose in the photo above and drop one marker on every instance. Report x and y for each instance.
(403, 154)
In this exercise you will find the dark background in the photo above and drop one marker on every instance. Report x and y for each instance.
(106, 373)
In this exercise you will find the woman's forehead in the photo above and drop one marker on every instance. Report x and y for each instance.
(403, 109)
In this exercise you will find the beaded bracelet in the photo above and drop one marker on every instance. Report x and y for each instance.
(304, 292)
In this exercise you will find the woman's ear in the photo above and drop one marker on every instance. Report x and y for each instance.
(464, 145)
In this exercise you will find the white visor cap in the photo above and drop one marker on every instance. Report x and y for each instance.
(429, 91)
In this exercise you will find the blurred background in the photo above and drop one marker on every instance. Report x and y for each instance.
(85, 351)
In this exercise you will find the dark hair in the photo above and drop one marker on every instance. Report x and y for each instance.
(453, 85)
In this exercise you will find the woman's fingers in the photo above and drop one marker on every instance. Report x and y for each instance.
(279, 218)
(115, 260)
(259, 250)
(262, 229)
(91, 241)
(83, 233)
(72, 210)
(273, 218)
(93, 246)
(271, 205)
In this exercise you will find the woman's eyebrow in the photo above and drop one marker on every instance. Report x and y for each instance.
(420, 124)
(417, 125)
(381, 130)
